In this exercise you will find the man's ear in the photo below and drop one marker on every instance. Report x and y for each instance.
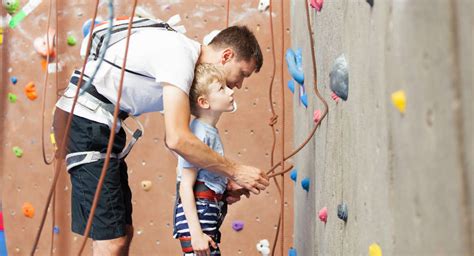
(203, 102)
(227, 55)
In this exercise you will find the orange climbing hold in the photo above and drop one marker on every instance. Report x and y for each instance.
(30, 91)
(28, 210)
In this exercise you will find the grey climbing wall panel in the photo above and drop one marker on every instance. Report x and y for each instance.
(407, 178)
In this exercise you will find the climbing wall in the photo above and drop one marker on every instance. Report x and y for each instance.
(405, 174)
(25, 179)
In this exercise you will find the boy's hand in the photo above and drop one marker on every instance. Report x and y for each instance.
(250, 178)
(200, 244)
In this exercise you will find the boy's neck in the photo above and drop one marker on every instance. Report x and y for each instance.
(209, 117)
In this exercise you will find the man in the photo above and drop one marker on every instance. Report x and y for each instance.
(160, 70)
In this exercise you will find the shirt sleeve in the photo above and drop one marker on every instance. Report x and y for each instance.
(174, 63)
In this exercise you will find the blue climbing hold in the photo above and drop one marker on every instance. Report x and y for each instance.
(87, 27)
(14, 80)
(291, 85)
(304, 100)
(56, 229)
(342, 211)
(305, 184)
(339, 78)
(294, 61)
(3, 244)
(294, 174)
(292, 252)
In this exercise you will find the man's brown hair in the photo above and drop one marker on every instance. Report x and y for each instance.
(242, 41)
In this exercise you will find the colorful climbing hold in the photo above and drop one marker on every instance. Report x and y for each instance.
(17, 151)
(208, 38)
(12, 97)
(237, 225)
(291, 85)
(28, 210)
(317, 4)
(146, 185)
(304, 100)
(342, 211)
(317, 115)
(71, 40)
(86, 27)
(399, 100)
(292, 252)
(294, 174)
(56, 229)
(375, 250)
(43, 46)
(323, 214)
(1, 221)
(14, 80)
(30, 91)
(294, 62)
(334, 97)
(263, 247)
(11, 6)
(305, 184)
(339, 78)
(263, 5)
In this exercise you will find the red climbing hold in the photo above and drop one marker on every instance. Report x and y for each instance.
(323, 214)
(317, 4)
(317, 115)
(334, 97)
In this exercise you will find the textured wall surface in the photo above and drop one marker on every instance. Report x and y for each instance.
(407, 178)
(246, 135)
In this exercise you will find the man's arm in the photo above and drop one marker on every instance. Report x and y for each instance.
(180, 139)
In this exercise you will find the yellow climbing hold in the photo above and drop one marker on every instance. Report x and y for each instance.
(399, 100)
(375, 250)
(146, 185)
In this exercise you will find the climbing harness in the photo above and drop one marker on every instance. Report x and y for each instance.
(90, 100)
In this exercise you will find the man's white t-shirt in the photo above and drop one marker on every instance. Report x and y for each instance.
(167, 56)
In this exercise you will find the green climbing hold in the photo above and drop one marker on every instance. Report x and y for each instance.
(71, 40)
(11, 6)
(12, 97)
(18, 151)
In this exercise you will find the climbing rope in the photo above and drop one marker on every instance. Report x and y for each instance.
(62, 148)
(112, 133)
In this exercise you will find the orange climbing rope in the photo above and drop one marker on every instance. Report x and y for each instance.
(112, 134)
(62, 148)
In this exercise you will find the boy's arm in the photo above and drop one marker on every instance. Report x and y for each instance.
(199, 240)
(180, 139)
(188, 178)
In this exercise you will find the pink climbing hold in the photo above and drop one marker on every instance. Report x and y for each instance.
(334, 97)
(317, 115)
(323, 214)
(317, 4)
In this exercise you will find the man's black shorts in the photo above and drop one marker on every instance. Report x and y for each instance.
(114, 209)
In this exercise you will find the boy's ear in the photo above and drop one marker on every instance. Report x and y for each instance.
(203, 102)
(227, 55)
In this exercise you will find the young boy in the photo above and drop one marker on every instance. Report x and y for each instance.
(200, 206)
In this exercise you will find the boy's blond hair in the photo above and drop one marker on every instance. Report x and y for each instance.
(204, 75)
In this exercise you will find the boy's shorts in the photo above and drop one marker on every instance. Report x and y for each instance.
(114, 208)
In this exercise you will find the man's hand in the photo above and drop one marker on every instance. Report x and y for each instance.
(250, 178)
(200, 244)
